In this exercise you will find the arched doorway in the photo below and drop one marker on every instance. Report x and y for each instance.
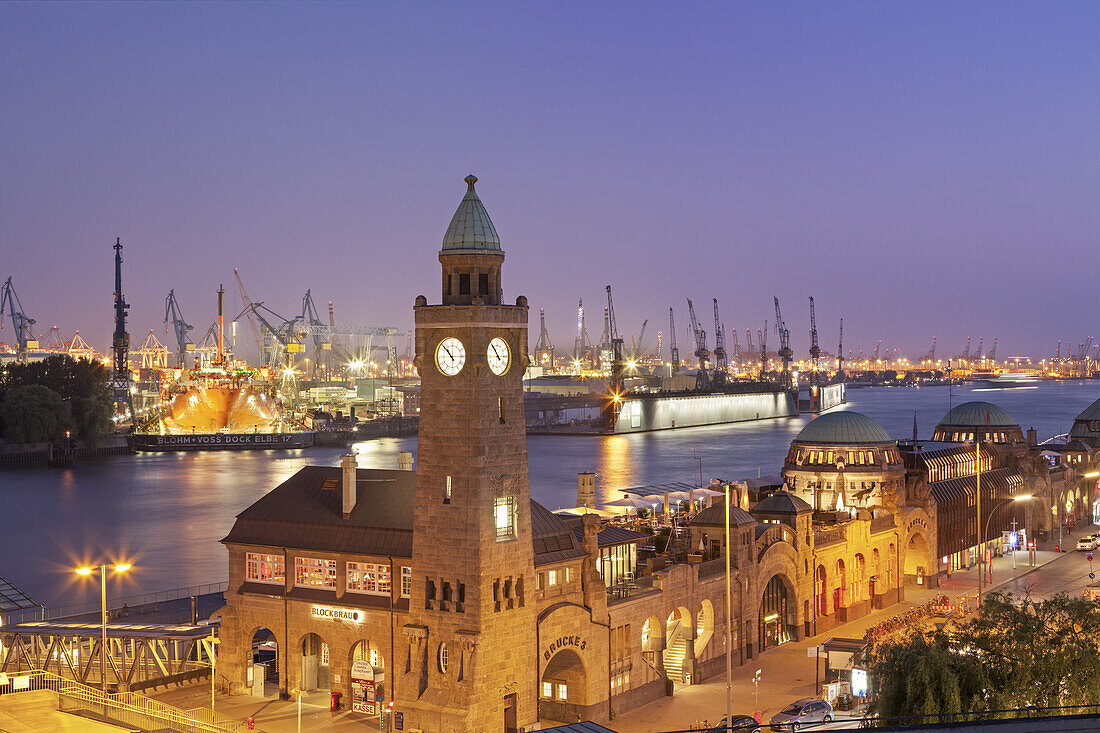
(777, 614)
(704, 627)
(822, 591)
(859, 580)
(563, 692)
(367, 665)
(677, 637)
(315, 664)
(840, 593)
(916, 559)
(263, 671)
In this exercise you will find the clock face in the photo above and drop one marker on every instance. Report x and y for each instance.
(499, 356)
(450, 355)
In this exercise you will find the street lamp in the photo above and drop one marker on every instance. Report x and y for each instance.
(102, 569)
(1019, 497)
(729, 618)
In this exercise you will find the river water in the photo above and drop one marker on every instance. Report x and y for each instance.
(166, 512)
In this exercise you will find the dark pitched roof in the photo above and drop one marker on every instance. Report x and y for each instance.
(715, 516)
(13, 599)
(582, 727)
(302, 514)
(1003, 481)
(609, 535)
(781, 502)
(552, 538)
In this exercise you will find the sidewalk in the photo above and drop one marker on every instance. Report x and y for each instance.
(788, 674)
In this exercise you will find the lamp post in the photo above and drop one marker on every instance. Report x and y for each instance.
(1019, 497)
(102, 569)
(729, 619)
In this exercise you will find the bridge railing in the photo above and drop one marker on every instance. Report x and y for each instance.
(133, 601)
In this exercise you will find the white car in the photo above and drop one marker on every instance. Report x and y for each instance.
(1086, 543)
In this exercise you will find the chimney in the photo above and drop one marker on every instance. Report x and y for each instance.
(586, 490)
(1032, 436)
(405, 461)
(348, 466)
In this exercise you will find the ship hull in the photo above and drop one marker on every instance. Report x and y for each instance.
(223, 441)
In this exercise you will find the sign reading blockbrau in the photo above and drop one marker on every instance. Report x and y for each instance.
(336, 614)
(561, 643)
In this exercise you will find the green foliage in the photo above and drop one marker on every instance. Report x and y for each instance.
(34, 414)
(81, 384)
(1016, 653)
(644, 513)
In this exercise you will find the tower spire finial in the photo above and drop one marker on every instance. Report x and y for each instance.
(470, 181)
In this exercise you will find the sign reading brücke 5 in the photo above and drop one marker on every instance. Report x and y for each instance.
(336, 614)
(561, 643)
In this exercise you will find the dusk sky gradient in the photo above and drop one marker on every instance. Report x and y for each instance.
(922, 169)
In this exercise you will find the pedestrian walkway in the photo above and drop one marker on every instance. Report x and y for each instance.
(788, 674)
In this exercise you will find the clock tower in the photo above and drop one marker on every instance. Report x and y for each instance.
(466, 661)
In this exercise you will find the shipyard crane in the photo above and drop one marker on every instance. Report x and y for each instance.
(616, 362)
(762, 337)
(701, 351)
(737, 353)
(78, 348)
(180, 327)
(280, 334)
(674, 350)
(660, 345)
(815, 350)
(978, 353)
(1058, 351)
(1084, 349)
(120, 343)
(966, 352)
(840, 354)
(931, 355)
(578, 344)
(874, 355)
(636, 347)
(544, 348)
(21, 322)
(748, 337)
(785, 352)
(992, 356)
(257, 331)
(51, 340)
(721, 364)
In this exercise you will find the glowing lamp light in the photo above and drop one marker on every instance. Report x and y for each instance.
(123, 567)
(84, 571)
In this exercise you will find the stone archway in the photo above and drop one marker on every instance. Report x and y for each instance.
(778, 612)
(563, 688)
(917, 564)
(679, 658)
(365, 651)
(704, 627)
(314, 672)
(262, 675)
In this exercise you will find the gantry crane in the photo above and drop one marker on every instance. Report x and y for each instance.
(785, 353)
(815, 350)
(930, 357)
(544, 348)
(181, 328)
(721, 364)
(614, 405)
(840, 354)
(674, 350)
(701, 351)
(762, 340)
(992, 355)
(978, 353)
(9, 301)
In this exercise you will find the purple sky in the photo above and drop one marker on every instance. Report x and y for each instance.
(921, 169)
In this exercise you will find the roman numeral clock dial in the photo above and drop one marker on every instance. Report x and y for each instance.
(450, 356)
(499, 356)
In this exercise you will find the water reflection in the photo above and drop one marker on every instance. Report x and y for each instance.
(167, 512)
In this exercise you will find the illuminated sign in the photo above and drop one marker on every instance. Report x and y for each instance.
(336, 614)
(859, 682)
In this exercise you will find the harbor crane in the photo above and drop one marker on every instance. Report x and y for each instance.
(120, 343)
(785, 352)
(721, 364)
(762, 337)
(966, 352)
(748, 337)
(701, 351)
(874, 354)
(180, 327)
(930, 357)
(257, 333)
(815, 350)
(578, 344)
(544, 348)
(21, 322)
(992, 356)
(978, 353)
(840, 354)
(674, 350)
(611, 415)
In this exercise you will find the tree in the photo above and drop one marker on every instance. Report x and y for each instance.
(34, 414)
(83, 384)
(1017, 653)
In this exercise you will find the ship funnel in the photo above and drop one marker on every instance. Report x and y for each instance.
(349, 466)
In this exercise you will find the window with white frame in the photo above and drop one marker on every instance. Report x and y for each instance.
(552, 577)
(406, 582)
(315, 572)
(548, 690)
(262, 568)
(504, 517)
(562, 691)
(366, 577)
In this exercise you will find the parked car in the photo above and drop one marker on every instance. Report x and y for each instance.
(1086, 543)
(807, 710)
(741, 724)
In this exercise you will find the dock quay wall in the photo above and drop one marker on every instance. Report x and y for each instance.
(680, 411)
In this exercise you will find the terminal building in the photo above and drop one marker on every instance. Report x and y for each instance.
(446, 595)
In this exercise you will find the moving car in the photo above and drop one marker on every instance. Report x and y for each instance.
(806, 710)
(1086, 543)
(740, 724)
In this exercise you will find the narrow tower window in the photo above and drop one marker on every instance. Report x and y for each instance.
(500, 409)
(483, 283)
(447, 491)
(464, 283)
(504, 516)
